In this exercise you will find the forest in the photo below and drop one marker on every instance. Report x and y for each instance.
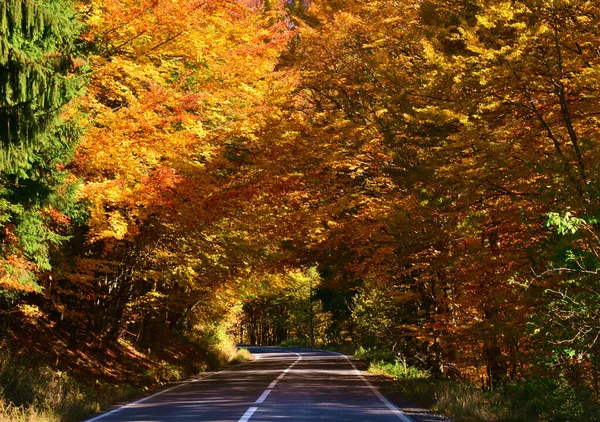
(416, 180)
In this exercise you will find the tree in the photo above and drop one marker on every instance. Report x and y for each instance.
(474, 116)
(40, 75)
(175, 108)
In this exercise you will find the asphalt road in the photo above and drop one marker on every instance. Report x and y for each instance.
(280, 385)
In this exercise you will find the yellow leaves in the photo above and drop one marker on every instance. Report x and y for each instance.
(381, 112)
(30, 311)
(436, 114)
(583, 20)
(356, 171)
(485, 22)
(118, 226)
(161, 114)
(106, 224)
(502, 14)
(346, 23)
(429, 52)
(375, 44)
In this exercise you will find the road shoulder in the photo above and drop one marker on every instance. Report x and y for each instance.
(386, 386)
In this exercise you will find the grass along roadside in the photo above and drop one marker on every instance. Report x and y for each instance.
(10, 412)
(31, 391)
(526, 400)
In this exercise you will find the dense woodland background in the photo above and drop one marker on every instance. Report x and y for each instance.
(417, 177)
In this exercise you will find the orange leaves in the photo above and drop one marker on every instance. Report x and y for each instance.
(56, 219)
(171, 79)
(180, 95)
(16, 274)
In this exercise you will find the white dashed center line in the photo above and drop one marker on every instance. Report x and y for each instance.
(248, 414)
(266, 393)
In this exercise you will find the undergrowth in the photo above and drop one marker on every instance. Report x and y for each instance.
(219, 346)
(10, 412)
(30, 391)
(242, 355)
(528, 400)
(33, 391)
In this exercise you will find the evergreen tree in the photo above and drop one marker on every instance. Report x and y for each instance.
(39, 76)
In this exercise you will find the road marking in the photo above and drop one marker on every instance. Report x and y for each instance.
(263, 396)
(401, 415)
(135, 403)
(248, 414)
(266, 393)
(139, 401)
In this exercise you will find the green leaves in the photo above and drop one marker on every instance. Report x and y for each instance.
(565, 224)
(38, 79)
(37, 74)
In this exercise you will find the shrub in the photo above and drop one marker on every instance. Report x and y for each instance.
(373, 355)
(242, 355)
(398, 369)
(293, 342)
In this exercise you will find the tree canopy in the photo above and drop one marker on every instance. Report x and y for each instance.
(418, 176)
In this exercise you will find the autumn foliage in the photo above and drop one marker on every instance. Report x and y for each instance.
(435, 161)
